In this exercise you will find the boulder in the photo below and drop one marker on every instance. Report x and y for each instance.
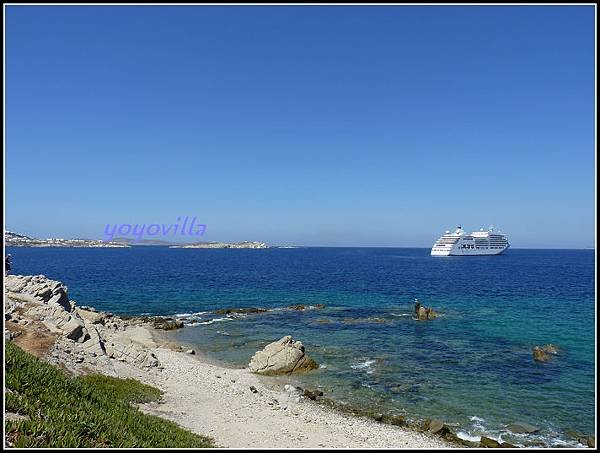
(284, 356)
(438, 427)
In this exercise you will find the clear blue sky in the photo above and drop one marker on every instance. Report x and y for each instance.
(375, 126)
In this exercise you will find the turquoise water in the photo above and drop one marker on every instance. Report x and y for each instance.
(471, 367)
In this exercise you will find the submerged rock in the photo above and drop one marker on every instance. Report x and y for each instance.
(522, 428)
(398, 420)
(284, 356)
(363, 320)
(243, 310)
(302, 307)
(323, 321)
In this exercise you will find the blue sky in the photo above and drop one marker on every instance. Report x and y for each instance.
(373, 126)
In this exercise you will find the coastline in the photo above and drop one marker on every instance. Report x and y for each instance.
(234, 406)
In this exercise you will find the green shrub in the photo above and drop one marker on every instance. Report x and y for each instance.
(91, 411)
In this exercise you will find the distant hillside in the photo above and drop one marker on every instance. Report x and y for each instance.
(12, 239)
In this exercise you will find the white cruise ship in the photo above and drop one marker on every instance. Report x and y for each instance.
(459, 243)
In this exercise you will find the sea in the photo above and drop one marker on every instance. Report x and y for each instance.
(471, 367)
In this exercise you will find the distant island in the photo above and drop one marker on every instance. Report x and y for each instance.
(19, 240)
(223, 245)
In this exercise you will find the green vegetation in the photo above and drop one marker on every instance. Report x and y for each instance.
(90, 411)
(128, 390)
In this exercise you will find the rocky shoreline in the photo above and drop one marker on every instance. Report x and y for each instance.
(235, 406)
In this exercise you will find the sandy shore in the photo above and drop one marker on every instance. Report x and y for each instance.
(217, 401)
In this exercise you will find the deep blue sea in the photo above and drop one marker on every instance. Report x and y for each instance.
(472, 367)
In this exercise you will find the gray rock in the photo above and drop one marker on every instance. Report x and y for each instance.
(284, 356)
(312, 395)
(90, 316)
(73, 329)
(60, 299)
(489, 443)
(438, 427)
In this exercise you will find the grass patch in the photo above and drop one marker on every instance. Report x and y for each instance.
(128, 390)
(90, 411)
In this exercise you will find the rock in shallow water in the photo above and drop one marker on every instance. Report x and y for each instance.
(489, 443)
(423, 313)
(438, 427)
(284, 356)
(522, 428)
(544, 353)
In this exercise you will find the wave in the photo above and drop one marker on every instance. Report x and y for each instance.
(187, 315)
(366, 365)
(468, 437)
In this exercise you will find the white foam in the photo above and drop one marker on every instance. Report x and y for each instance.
(466, 436)
(215, 320)
(186, 315)
(366, 365)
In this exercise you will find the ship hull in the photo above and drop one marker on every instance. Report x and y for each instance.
(467, 252)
